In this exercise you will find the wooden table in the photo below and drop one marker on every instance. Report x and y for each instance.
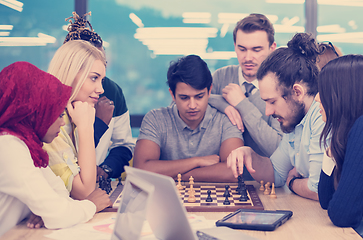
(309, 221)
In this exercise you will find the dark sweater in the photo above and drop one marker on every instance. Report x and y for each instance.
(119, 156)
(345, 204)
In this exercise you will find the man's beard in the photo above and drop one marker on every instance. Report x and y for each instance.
(249, 75)
(297, 114)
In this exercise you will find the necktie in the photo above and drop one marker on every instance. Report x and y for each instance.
(249, 87)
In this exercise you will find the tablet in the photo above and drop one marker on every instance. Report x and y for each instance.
(255, 219)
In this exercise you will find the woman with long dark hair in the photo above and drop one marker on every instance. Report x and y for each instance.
(341, 102)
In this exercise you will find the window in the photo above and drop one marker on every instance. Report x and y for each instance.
(32, 30)
(142, 37)
(340, 22)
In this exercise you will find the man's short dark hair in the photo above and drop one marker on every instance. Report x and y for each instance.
(191, 70)
(294, 64)
(255, 22)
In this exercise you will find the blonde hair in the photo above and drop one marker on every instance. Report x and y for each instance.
(71, 58)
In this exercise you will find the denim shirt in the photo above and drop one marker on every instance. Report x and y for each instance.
(301, 149)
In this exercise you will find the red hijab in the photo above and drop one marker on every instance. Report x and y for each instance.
(30, 102)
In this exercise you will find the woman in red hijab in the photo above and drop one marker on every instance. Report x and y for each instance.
(31, 107)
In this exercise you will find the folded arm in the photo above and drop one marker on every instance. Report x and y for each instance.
(218, 172)
(147, 154)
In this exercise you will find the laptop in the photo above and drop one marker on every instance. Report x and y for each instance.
(132, 210)
(154, 197)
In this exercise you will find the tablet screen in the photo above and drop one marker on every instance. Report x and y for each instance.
(254, 218)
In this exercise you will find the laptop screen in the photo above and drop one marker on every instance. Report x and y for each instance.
(132, 210)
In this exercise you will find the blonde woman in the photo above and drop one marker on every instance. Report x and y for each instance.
(72, 154)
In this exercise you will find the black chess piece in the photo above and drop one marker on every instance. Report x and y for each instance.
(226, 201)
(209, 198)
(101, 182)
(244, 197)
(226, 192)
(119, 181)
(105, 184)
(108, 186)
(242, 189)
(243, 192)
(239, 183)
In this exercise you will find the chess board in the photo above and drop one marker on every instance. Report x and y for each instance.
(217, 191)
(201, 205)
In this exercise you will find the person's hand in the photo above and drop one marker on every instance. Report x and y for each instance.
(234, 117)
(233, 94)
(34, 221)
(104, 109)
(292, 173)
(100, 198)
(81, 113)
(238, 158)
(101, 172)
(206, 161)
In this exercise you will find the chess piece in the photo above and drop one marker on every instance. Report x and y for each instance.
(209, 198)
(243, 192)
(179, 186)
(226, 192)
(243, 189)
(191, 183)
(191, 197)
(105, 184)
(243, 197)
(273, 193)
(240, 180)
(101, 182)
(241, 186)
(191, 180)
(108, 186)
(262, 188)
(119, 181)
(226, 201)
(267, 188)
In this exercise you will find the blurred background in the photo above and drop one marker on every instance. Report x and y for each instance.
(141, 37)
